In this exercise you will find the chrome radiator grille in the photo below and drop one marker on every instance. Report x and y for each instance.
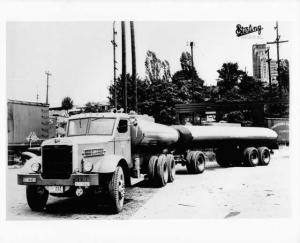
(56, 161)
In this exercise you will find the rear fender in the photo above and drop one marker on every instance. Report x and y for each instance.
(108, 164)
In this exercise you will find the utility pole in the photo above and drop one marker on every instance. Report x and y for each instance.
(115, 62)
(192, 55)
(37, 95)
(133, 57)
(124, 79)
(269, 69)
(277, 42)
(47, 74)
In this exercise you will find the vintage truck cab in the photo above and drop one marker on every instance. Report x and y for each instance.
(95, 154)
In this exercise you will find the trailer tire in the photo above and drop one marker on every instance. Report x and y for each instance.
(264, 155)
(189, 166)
(37, 197)
(171, 167)
(197, 163)
(251, 156)
(162, 171)
(116, 189)
(152, 167)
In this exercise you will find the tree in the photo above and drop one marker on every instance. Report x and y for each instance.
(156, 69)
(229, 76)
(251, 89)
(67, 103)
(183, 80)
(284, 74)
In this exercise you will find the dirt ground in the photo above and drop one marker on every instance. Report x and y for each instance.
(239, 192)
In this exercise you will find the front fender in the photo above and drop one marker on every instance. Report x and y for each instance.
(108, 164)
(27, 166)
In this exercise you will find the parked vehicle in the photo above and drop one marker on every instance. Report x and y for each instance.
(28, 125)
(106, 152)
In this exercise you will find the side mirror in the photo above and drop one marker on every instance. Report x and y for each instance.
(123, 127)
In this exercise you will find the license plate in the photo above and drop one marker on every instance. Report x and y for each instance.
(82, 183)
(29, 179)
(55, 189)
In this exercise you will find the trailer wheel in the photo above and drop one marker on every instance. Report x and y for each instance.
(264, 155)
(222, 158)
(116, 189)
(152, 167)
(162, 171)
(37, 197)
(189, 166)
(171, 167)
(197, 163)
(251, 156)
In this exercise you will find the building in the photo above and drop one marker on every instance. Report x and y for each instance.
(259, 59)
(274, 72)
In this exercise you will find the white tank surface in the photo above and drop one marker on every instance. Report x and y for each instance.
(145, 132)
(200, 133)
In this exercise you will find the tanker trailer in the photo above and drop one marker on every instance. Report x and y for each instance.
(248, 146)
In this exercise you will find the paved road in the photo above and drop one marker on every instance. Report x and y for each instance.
(260, 192)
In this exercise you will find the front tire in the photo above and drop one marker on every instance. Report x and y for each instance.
(116, 190)
(37, 197)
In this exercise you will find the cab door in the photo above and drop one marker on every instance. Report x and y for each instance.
(122, 140)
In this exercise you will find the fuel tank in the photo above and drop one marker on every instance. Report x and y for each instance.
(214, 136)
(148, 133)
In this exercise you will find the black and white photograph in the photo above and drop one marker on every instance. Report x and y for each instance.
(149, 121)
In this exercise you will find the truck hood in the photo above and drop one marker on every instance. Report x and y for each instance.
(77, 140)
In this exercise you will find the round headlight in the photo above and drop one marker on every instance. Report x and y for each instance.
(87, 166)
(36, 167)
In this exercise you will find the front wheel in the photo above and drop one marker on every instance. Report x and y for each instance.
(116, 190)
(37, 197)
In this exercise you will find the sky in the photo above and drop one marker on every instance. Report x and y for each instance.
(79, 55)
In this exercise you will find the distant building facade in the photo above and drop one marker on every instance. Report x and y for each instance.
(274, 72)
(259, 59)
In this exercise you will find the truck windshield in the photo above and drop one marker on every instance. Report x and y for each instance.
(77, 127)
(96, 126)
(101, 126)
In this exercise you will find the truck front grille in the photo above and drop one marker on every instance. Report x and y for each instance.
(56, 161)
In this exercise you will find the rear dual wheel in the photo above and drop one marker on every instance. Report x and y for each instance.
(161, 169)
(251, 156)
(264, 155)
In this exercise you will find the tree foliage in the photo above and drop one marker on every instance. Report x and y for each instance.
(67, 103)
(159, 91)
(229, 76)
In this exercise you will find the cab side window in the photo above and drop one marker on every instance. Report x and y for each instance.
(123, 126)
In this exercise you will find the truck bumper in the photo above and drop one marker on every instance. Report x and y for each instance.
(74, 180)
